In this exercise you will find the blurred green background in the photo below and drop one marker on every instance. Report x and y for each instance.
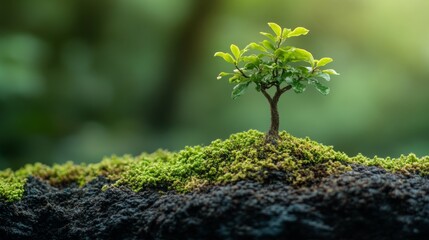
(82, 79)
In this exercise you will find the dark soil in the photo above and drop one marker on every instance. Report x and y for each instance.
(367, 203)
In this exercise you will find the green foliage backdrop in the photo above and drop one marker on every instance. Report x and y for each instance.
(80, 80)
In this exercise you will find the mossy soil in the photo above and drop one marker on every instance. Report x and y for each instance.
(238, 188)
(363, 203)
(243, 156)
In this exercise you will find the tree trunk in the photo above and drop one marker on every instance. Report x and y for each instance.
(273, 134)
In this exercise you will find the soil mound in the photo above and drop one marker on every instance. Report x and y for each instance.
(365, 203)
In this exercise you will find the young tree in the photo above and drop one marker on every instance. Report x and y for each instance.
(276, 66)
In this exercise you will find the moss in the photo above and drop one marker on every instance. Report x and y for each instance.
(405, 164)
(241, 156)
(12, 183)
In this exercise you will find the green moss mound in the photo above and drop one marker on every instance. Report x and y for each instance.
(242, 156)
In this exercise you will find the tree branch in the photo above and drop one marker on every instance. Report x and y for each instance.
(277, 95)
(267, 96)
(285, 89)
(242, 73)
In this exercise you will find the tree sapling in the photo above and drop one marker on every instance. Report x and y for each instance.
(276, 66)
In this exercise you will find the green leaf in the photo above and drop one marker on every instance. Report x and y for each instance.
(322, 62)
(304, 70)
(331, 72)
(298, 87)
(235, 50)
(269, 35)
(324, 76)
(298, 32)
(239, 89)
(256, 46)
(303, 55)
(289, 80)
(252, 59)
(235, 78)
(285, 53)
(226, 56)
(249, 66)
(285, 33)
(267, 44)
(322, 88)
(280, 52)
(223, 74)
(276, 28)
(312, 80)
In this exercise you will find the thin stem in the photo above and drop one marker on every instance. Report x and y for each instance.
(276, 59)
(281, 38)
(242, 73)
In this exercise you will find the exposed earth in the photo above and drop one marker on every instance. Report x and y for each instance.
(365, 203)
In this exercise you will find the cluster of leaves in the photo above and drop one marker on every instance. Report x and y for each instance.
(276, 64)
(243, 156)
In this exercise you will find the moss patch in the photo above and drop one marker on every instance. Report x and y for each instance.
(242, 156)
(405, 164)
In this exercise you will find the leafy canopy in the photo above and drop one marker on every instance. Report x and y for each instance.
(269, 63)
